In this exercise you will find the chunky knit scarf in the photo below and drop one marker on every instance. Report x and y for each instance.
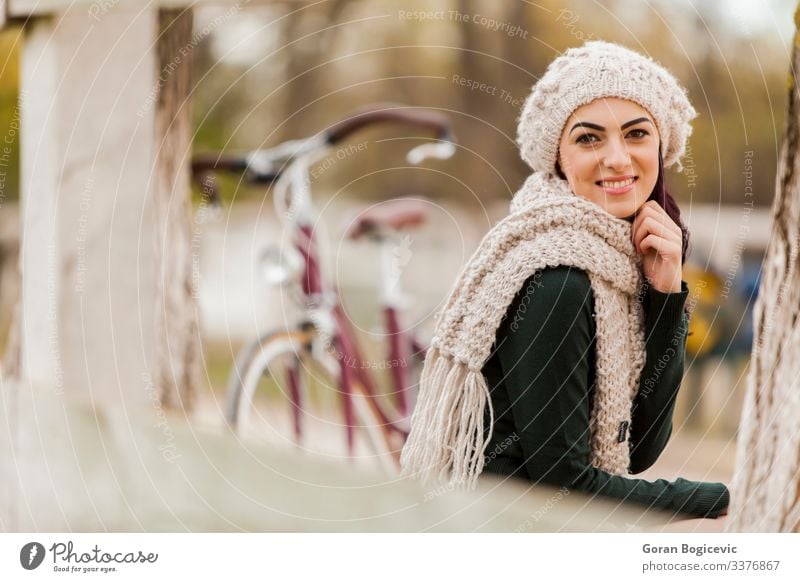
(548, 226)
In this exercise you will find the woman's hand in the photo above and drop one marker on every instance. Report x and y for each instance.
(659, 240)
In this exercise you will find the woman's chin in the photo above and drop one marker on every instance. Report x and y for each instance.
(623, 213)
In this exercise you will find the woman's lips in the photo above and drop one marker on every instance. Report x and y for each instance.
(611, 187)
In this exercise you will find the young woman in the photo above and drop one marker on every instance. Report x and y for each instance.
(559, 353)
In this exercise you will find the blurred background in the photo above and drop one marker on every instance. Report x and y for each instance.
(264, 73)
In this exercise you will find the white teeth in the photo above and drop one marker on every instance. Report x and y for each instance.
(617, 184)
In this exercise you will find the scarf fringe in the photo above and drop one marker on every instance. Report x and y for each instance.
(446, 442)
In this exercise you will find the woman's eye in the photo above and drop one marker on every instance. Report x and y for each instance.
(586, 138)
(638, 133)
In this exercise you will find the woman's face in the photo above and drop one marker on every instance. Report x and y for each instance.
(609, 154)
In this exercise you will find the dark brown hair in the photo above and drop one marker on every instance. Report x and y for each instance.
(664, 199)
(670, 206)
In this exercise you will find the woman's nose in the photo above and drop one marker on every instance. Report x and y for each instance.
(616, 156)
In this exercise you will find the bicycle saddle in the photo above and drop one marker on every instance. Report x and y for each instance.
(388, 218)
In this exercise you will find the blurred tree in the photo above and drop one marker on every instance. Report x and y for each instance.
(10, 42)
(309, 49)
(766, 492)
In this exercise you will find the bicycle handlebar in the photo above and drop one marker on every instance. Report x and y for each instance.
(266, 166)
(390, 113)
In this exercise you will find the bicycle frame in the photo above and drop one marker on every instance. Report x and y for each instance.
(323, 308)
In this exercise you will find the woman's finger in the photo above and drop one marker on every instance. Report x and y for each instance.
(644, 212)
(650, 225)
(653, 208)
(664, 247)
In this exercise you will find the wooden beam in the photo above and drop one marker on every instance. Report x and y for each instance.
(98, 8)
(76, 467)
(176, 370)
(95, 8)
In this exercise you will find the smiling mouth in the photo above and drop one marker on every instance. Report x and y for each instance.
(617, 183)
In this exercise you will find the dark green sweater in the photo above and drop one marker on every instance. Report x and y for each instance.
(541, 378)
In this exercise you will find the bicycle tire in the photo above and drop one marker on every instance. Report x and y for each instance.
(257, 357)
(242, 382)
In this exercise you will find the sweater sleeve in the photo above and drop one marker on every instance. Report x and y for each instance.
(543, 347)
(653, 407)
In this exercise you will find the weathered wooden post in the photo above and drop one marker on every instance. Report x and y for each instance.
(107, 318)
(107, 310)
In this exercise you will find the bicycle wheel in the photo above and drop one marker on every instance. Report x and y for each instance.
(251, 364)
(286, 358)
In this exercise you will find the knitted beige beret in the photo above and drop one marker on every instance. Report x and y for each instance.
(595, 70)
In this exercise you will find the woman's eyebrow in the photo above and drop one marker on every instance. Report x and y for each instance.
(601, 128)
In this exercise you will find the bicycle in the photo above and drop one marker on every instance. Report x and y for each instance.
(322, 341)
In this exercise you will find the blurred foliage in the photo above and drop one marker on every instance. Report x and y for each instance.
(10, 41)
(286, 70)
(267, 72)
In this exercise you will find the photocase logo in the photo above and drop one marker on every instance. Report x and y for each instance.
(31, 555)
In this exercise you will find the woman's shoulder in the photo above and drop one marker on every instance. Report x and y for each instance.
(572, 276)
(560, 291)
(552, 301)
(561, 282)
